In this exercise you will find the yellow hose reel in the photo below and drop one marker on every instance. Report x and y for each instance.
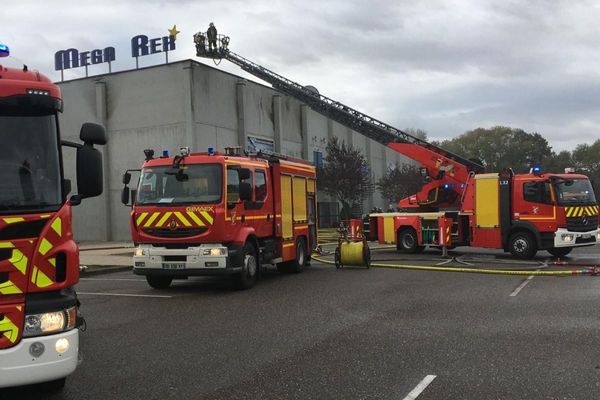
(352, 253)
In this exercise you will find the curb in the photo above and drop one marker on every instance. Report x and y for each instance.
(104, 270)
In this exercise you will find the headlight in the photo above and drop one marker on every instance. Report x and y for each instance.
(567, 238)
(598, 236)
(51, 322)
(139, 252)
(215, 251)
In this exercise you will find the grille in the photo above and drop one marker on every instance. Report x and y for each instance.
(582, 224)
(177, 233)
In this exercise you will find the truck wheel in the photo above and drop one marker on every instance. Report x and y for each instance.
(159, 282)
(560, 251)
(522, 245)
(247, 278)
(299, 263)
(407, 241)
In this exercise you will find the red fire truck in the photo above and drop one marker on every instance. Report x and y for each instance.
(518, 213)
(221, 214)
(39, 261)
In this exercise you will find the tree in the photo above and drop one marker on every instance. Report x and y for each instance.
(344, 175)
(418, 133)
(586, 159)
(501, 147)
(399, 181)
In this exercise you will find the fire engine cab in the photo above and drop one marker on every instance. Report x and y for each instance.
(39, 259)
(218, 213)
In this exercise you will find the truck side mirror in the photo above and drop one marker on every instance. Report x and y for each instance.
(93, 134)
(126, 178)
(125, 195)
(245, 191)
(89, 172)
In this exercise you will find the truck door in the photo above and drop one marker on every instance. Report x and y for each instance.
(535, 203)
(235, 214)
(263, 204)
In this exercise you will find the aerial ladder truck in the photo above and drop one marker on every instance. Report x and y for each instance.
(459, 204)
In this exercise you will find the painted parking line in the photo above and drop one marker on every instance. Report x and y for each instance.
(521, 286)
(420, 387)
(113, 279)
(124, 295)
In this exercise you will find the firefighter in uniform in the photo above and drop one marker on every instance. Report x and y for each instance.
(211, 34)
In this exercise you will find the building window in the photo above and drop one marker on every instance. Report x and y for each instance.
(318, 158)
(254, 144)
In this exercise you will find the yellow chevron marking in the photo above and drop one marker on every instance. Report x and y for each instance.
(140, 218)
(52, 261)
(19, 261)
(580, 211)
(164, 219)
(13, 220)
(195, 218)
(10, 330)
(57, 226)
(45, 246)
(150, 220)
(9, 288)
(20, 308)
(6, 245)
(182, 218)
(208, 217)
(40, 279)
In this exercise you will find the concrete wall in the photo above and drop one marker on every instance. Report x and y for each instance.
(188, 104)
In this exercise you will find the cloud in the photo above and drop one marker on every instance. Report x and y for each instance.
(439, 66)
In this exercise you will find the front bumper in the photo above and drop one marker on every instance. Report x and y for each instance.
(189, 261)
(18, 367)
(566, 238)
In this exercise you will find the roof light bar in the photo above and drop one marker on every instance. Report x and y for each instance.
(4, 50)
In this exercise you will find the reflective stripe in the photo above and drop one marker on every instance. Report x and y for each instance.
(195, 218)
(150, 220)
(182, 218)
(9, 288)
(13, 220)
(40, 279)
(140, 218)
(9, 329)
(45, 246)
(207, 217)
(19, 260)
(163, 219)
(57, 226)
(6, 245)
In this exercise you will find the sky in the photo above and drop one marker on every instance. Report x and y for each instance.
(445, 67)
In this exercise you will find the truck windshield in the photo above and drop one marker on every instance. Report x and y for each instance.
(189, 184)
(574, 192)
(29, 164)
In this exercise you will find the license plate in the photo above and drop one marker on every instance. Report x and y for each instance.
(173, 265)
(586, 236)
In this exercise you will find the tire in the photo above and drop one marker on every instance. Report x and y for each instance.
(250, 265)
(560, 251)
(52, 387)
(407, 241)
(522, 245)
(297, 265)
(159, 282)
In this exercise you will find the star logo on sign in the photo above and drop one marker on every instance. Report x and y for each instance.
(173, 32)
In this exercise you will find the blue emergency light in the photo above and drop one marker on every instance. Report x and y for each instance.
(4, 50)
(211, 151)
(447, 186)
(165, 153)
(536, 169)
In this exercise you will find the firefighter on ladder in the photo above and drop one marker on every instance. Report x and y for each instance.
(211, 34)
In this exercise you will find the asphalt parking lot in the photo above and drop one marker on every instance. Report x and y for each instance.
(343, 334)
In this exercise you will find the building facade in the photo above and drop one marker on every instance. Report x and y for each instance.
(187, 103)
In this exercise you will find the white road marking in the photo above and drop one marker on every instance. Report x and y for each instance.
(112, 279)
(125, 295)
(521, 286)
(420, 387)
